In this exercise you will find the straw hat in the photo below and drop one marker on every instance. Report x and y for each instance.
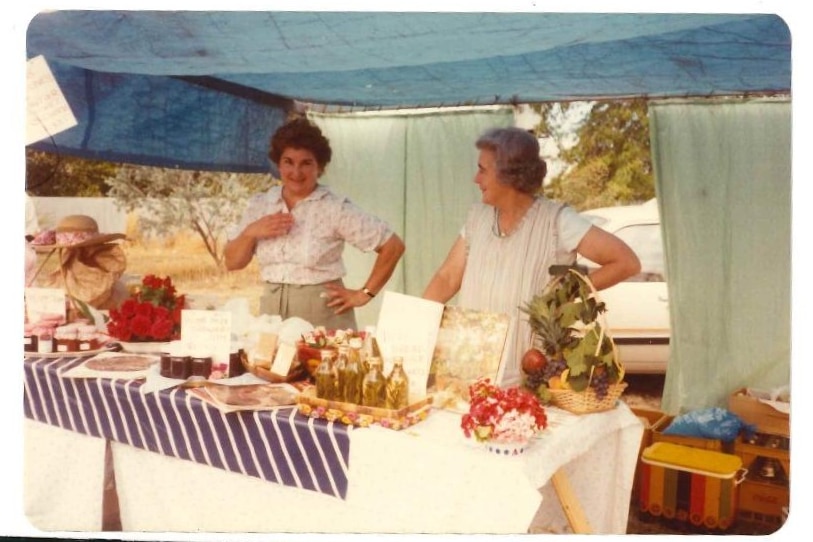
(74, 231)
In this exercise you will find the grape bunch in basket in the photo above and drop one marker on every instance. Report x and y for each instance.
(572, 361)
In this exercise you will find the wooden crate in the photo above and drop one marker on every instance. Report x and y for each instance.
(692, 442)
(649, 419)
(763, 502)
(750, 452)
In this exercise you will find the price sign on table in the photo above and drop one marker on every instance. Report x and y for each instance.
(208, 333)
(44, 301)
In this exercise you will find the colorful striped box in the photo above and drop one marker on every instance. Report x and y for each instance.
(690, 484)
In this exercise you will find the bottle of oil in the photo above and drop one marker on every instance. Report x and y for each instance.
(374, 385)
(397, 386)
(340, 371)
(353, 374)
(325, 377)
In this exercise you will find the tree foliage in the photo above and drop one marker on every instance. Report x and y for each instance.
(169, 201)
(48, 174)
(609, 163)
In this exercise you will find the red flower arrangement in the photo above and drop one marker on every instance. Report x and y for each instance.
(152, 313)
(511, 415)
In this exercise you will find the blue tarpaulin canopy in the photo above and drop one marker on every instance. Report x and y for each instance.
(204, 90)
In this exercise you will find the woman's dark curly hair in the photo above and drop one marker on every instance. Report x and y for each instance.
(517, 155)
(299, 133)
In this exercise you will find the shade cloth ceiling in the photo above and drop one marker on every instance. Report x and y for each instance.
(203, 90)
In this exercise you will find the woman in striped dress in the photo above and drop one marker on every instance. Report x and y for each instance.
(510, 239)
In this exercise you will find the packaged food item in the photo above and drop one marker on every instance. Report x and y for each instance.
(374, 385)
(397, 389)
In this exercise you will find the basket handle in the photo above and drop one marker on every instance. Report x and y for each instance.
(602, 320)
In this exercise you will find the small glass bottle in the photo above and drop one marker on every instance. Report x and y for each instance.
(236, 367)
(369, 349)
(325, 377)
(374, 385)
(353, 376)
(397, 386)
(340, 371)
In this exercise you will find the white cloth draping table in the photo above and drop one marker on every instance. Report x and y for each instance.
(425, 479)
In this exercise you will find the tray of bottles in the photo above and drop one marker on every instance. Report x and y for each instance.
(310, 405)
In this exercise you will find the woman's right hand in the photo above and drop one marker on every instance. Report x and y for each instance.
(275, 225)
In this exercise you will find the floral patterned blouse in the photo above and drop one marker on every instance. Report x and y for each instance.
(311, 253)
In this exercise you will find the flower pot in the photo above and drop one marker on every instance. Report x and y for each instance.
(506, 448)
(144, 347)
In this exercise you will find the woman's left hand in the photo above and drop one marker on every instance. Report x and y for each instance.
(342, 299)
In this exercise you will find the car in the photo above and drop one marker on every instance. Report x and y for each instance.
(637, 315)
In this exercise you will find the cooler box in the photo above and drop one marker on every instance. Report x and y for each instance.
(690, 484)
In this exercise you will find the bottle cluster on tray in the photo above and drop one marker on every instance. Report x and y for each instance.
(354, 374)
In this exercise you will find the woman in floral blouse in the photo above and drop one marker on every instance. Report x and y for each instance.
(298, 230)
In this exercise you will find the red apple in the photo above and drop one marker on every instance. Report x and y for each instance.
(533, 361)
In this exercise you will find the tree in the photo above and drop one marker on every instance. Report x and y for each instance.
(49, 174)
(174, 200)
(609, 163)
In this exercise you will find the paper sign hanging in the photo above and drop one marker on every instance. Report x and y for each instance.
(47, 110)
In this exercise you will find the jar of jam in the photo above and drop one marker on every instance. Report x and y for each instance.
(87, 338)
(180, 367)
(236, 367)
(45, 340)
(65, 339)
(29, 338)
(200, 366)
(166, 365)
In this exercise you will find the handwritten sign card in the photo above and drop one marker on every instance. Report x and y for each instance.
(207, 333)
(47, 110)
(44, 301)
(408, 328)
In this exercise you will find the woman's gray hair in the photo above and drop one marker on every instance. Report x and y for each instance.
(517, 153)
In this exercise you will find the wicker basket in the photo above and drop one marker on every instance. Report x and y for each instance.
(585, 402)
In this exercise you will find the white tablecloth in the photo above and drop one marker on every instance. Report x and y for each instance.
(426, 479)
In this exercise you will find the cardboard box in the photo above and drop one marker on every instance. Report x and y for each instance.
(746, 404)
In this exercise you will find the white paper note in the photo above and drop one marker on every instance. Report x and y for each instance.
(207, 333)
(408, 328)
(42, 301)
(47, 110)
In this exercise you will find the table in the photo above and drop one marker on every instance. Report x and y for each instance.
(425, 479)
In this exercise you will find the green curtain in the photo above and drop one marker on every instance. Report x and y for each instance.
(414, 169)
(723, 180)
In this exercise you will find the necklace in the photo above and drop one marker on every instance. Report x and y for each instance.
(498, 231)
(495, 226)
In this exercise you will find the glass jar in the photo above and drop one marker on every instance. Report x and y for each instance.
(374, 385)
(236, 367)
(325, 377)
(200, 367)
(29, 338)
(45, 340)
(179, 367)
(87, 338)
(166, 365)
(397, 386)
(65, 339)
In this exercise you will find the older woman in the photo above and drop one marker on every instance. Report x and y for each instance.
(298, 231)
(509, 241)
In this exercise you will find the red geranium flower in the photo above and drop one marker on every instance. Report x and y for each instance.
(152, 313)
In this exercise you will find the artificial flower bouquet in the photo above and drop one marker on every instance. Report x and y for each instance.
(510, 415)
(151, 313)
